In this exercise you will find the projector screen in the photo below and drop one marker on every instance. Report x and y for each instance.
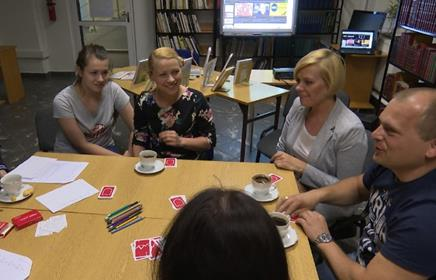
(258, 17)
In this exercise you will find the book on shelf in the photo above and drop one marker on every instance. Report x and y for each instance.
(418, 14)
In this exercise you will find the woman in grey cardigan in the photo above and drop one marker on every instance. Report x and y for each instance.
(322, 140)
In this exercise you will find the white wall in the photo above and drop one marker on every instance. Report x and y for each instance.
(44, 46)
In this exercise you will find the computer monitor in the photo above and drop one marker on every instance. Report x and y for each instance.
(367, 20)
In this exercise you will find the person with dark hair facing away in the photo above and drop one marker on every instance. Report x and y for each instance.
(222, 234)
(171, 119)
(87, 110)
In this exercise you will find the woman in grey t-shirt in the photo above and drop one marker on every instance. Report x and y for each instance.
(86, 111)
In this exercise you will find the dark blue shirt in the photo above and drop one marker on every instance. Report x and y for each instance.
(401, 222)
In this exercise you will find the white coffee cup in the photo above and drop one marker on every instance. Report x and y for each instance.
(282, 223)
(148, 159)
(11, 184)
(261, 184)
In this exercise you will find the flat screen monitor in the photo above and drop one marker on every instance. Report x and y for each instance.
(258, 17)
(367, 20)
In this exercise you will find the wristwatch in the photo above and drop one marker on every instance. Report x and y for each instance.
(324, 237)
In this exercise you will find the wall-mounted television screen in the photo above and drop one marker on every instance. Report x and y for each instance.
(258, 17)
(367, 20)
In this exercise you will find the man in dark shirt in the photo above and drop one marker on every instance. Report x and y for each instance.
(399, 239)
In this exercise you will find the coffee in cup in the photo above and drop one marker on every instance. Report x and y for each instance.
(11, 184)
(282, 223)
(147, 159)
(261, 184)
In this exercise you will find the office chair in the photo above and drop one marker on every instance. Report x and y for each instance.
(46, 128)
(347, 227)
(268, 141)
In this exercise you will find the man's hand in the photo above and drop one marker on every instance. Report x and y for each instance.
(170, 138)
(296, 203)
(313, 224)
(286, 161)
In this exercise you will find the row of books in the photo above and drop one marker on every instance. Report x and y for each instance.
(317, 4)
(184, 4)
(316, 22)
(178, 42)
(177, 23)
(394, 82)
(419, 14)
(250, 47)
(416, 57)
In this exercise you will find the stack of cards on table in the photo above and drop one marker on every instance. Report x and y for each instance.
(124, 217)
(178, 201)
(150, 248)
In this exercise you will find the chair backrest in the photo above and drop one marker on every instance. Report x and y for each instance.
(344, 97)
(291, 97)
(46, 128)
(371, 148)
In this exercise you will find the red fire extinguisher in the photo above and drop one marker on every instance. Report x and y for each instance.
(51, 4)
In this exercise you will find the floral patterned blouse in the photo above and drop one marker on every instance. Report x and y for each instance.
(190, 116)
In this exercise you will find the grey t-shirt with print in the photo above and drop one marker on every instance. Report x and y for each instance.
(97, 127)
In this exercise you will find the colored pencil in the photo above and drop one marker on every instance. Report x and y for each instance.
(127, 225)
(124, 219)
(121, 209)
(124, 222)
(125, 213)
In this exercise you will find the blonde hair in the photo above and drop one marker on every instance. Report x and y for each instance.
(331, 68)
(163, 53)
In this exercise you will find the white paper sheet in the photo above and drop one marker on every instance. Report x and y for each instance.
(14, 266)
(49, 170)
(51, 225)
(66, 195)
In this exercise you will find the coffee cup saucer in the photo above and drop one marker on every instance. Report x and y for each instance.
(290, 238)
(270, 196)
(158, 167)
(25, 192)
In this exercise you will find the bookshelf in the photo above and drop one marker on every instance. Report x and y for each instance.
(187, 24)
(412, 53)
(317, 26)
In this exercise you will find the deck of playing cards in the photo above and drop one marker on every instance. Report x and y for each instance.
(107, 192)
(5, 228)
(149, 248)
(178, 201)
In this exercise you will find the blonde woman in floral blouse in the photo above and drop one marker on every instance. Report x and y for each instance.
(171, 119)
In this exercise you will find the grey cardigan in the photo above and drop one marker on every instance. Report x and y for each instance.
(339, 149)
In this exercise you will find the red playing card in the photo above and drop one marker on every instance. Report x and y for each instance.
(155, 249)
(107, 192)
(294, 217)
(275, 178)
(170, 162)
(142, 249)
(177, 201)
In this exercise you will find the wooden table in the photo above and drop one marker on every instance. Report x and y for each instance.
(11, 74)
(85, 250)
(245, 95)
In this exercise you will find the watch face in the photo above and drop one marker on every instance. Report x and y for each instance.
(324, 238)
